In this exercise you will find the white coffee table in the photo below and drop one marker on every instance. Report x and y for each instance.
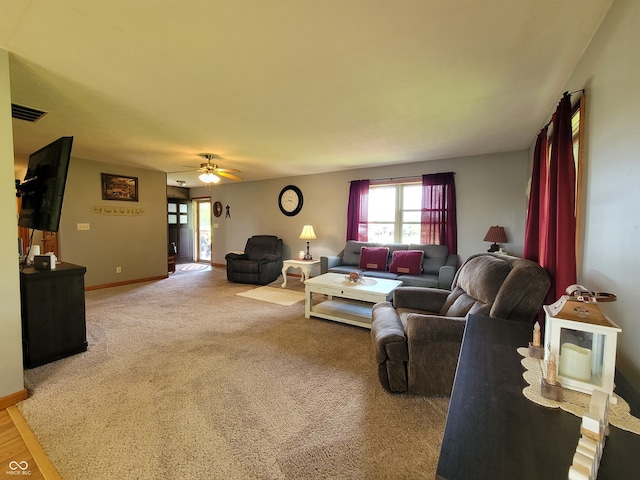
(307, 267)
(347, 302)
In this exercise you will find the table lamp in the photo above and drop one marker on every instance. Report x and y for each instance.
(496, 235)
(308, 234)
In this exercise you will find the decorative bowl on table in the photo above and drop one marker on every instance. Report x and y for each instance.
(353, 277)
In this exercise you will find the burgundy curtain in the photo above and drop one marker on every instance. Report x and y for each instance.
(357, 211)
(439, 222)
(537, 196)
(556, 202)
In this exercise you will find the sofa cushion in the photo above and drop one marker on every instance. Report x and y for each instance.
(425, 281)
(476, 286)
(346, 269)
(387, 275)
(351, 252)
(435, 256)
(407, 262)
(374, 258)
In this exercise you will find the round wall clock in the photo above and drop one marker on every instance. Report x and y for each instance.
(290, 200)
(217, 209)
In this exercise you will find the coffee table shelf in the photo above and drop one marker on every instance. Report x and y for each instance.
(346, 303)
(344, 311)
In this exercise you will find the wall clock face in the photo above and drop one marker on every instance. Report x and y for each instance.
(217, 209)
(290, 200)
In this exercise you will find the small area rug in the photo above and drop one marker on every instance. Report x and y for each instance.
(277, 295)
(193, 267)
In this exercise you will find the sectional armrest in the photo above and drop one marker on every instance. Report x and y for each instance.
(329, 261)
(447, 272)
(420, 298)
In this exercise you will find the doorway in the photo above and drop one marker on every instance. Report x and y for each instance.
(180, 227)
(203, 229)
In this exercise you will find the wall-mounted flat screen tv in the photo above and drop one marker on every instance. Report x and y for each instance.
(42, 190)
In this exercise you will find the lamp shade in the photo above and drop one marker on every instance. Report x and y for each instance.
(308, 233)
(496, 235)
(209, 178)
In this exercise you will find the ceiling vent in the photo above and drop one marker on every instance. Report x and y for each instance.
(26, 113)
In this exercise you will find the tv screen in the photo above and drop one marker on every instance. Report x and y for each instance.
(42, 190)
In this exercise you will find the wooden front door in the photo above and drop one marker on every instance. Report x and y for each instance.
(180, 230)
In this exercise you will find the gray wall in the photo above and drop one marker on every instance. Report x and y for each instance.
(609, 71)
(491, 190)
(137, 244)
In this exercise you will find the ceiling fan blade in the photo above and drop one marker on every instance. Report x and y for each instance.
(228, 170)
(182, 171)
(228, 175)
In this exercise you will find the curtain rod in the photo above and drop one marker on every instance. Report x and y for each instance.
(391, 179)
(567, 93)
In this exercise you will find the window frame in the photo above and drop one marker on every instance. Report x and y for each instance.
(399, 212)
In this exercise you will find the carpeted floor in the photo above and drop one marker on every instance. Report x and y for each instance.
(185, 379)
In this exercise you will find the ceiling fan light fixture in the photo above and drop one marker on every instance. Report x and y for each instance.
(209, 177)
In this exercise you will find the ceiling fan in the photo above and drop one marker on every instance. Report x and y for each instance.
(211, 173)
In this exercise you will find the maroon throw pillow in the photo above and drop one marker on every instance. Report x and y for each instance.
(374, 258)
(407, 261)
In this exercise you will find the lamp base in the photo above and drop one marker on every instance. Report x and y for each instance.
(308, 255)
(493, 248)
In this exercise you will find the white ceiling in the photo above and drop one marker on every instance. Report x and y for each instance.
(290, 87)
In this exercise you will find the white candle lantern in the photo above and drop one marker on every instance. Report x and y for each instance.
(583, 341)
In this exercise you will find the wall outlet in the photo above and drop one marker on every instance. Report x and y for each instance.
(118, 269)
(84, 226)
(215, 225)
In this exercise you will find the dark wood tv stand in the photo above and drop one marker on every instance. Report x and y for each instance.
(53, 313)
(493, 432)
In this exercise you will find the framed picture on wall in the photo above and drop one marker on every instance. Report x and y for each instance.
(119, 187)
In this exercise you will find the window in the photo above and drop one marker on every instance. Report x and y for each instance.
(394, 213)
(577, 134)
(412, 211)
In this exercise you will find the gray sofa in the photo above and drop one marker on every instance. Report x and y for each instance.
(438, 266)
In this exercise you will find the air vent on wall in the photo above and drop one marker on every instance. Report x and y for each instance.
(26, 113)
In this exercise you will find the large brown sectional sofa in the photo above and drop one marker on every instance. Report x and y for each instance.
(438, 266)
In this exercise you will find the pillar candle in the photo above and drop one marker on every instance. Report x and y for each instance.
(536, 335)
(551, 370)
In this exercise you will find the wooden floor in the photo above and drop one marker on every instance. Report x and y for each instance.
(20, 452)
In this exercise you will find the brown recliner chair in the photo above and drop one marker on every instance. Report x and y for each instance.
(417, 338)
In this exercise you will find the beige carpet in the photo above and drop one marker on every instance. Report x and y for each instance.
(185, 379)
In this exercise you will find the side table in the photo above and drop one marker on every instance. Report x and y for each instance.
(307, 267)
